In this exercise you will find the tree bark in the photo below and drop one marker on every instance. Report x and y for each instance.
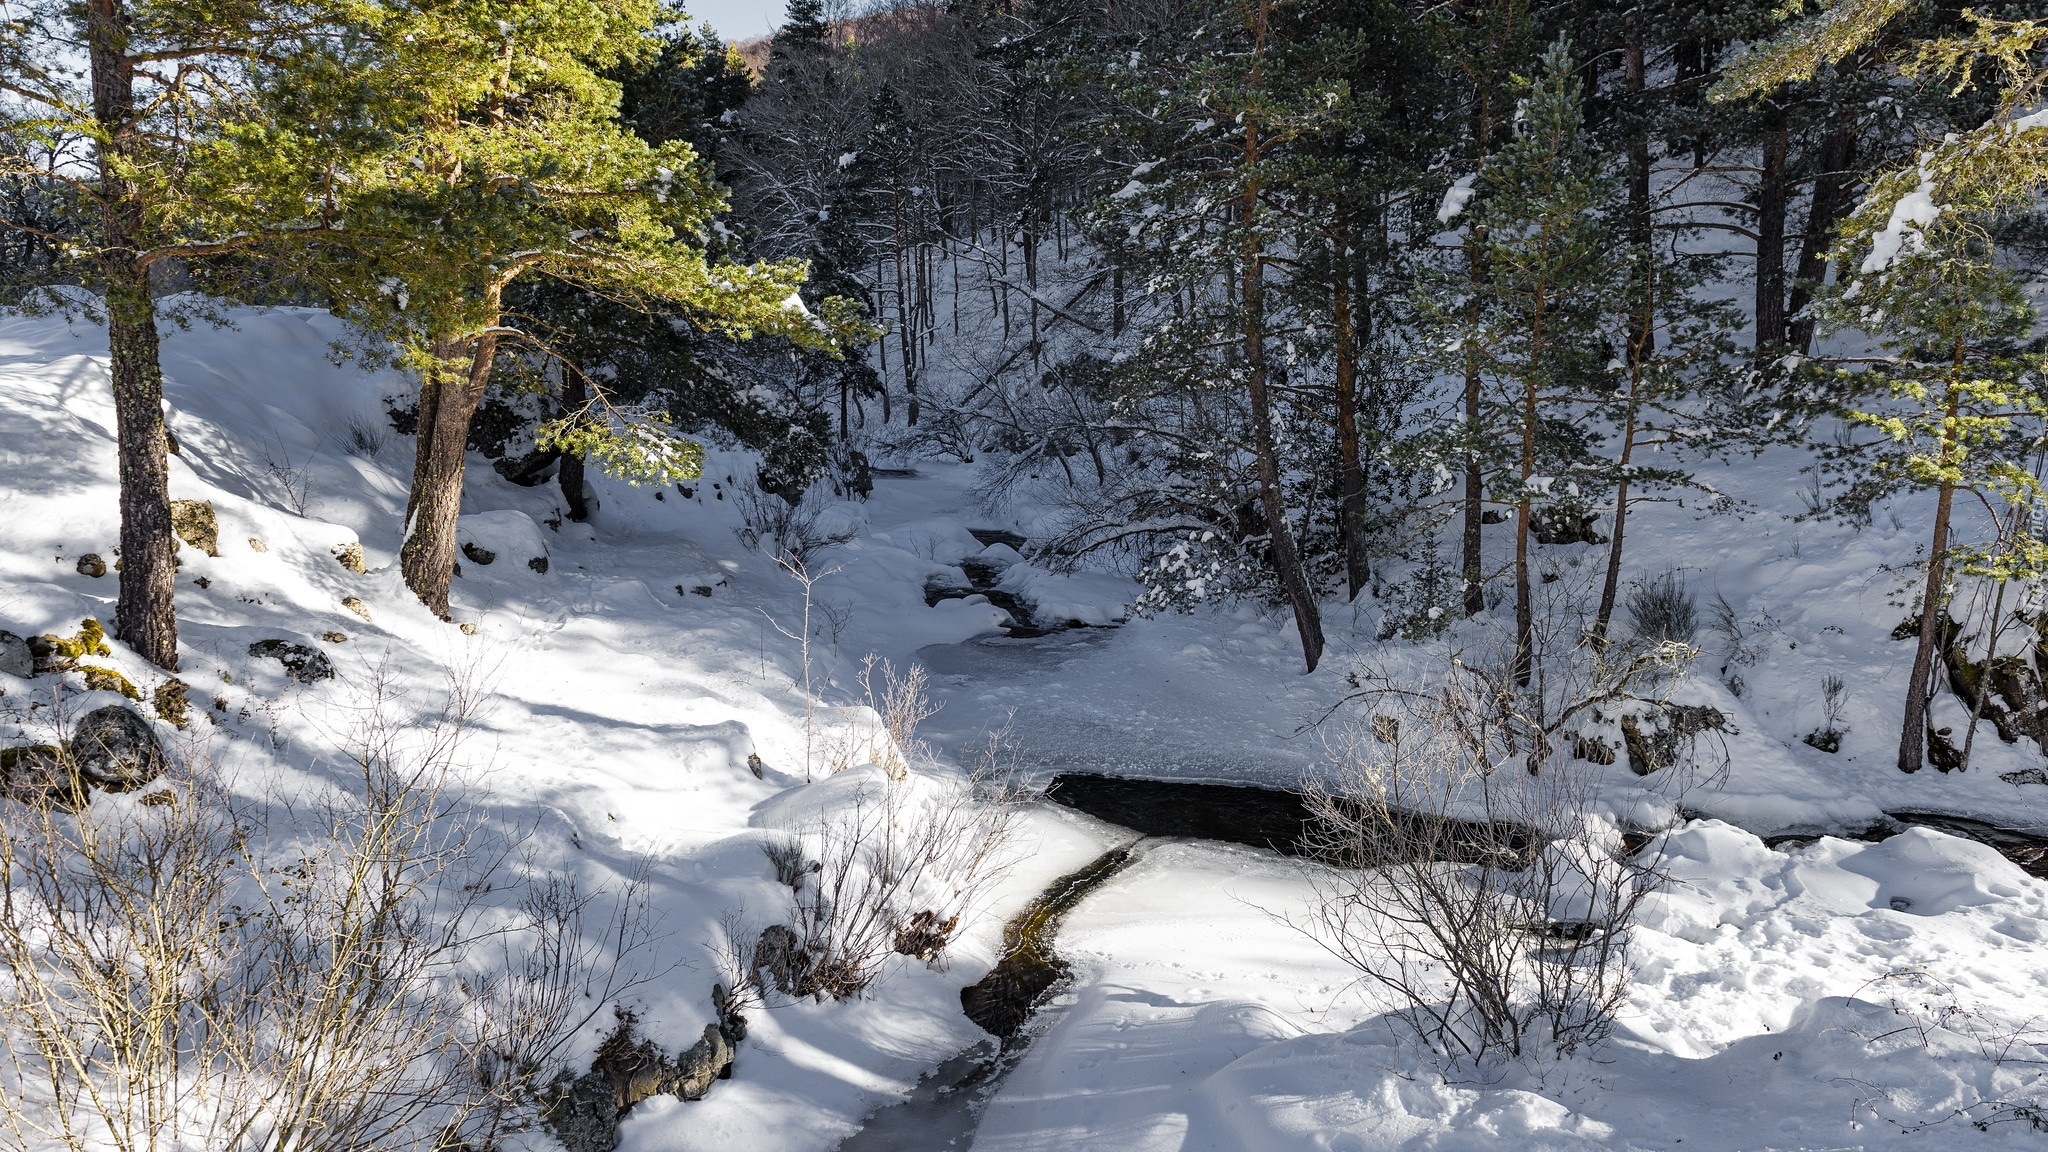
(570, 477)
(1913, 732)
(1525, 604)
(1252, 270)
(1475, 477)
(1770, 236)
(1832, 183)
(145, 616)
(428, 556)
(1350, 467)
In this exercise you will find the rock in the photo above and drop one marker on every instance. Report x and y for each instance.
(709, 1059)
(583, 1114)
(731, 1020)
(350, 556)
(256, 544)
(91, 564)
(15, 657)
(924, 936)
(195, 524)
(335, 637)
(506, 534)
(469, 628)
(1670, 735)
(54, 653)
(36, 773)
(355, 604)
(2024, 776)
(528, 471)
(755, 764)
(172, 702)
(303, 664)
(115, 749)
(781, 961)
(108, 680)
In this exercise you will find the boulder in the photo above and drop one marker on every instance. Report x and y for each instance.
(584, 1113)
(54, 653)
(195, 524)
(16, 659)
(709, 1059)
(781, 961)
(115, 749)
(1664, 740)
(92, 564)
(36, 773)
(303, 664)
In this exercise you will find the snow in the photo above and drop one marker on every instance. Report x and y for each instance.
(1456, 197)
(1842, 994)
(1904, 232)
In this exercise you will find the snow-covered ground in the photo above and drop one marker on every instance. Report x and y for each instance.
(1834, 996)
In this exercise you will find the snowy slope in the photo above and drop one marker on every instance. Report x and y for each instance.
(1841, 995)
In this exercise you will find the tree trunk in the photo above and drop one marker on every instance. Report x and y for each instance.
(1525, 605)
(428, 556)
(1770, 236)
(1350, 468)
(1611, 584)
(1286, 561)
(1913, 732)
(1475, 478)
(145, 617)
(571, 475)
(1831, 201)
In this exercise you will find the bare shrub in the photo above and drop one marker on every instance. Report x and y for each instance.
(184, 971)
(883, 730)
(788, 532)
(362, 435)
(1664, 611)
(1494, 907)
(294, 478)
(894, 872)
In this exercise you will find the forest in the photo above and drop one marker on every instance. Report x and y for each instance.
(1434, 503)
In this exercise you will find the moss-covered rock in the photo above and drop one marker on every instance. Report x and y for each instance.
(350, 556)
(54, 653)
(195, 524)
(91, 564)
(172, 701)
(100, 679)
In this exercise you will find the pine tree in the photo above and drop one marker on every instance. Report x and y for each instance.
(193, 156)
(1924, 276)
(1534, 325)
(512, 162)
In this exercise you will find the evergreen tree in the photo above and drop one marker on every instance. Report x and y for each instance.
(1925, 277)
(1534, 324)
(513, 163)
(195, 153)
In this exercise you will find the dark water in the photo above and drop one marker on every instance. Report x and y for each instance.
(944, 1108)
(1280, 820)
